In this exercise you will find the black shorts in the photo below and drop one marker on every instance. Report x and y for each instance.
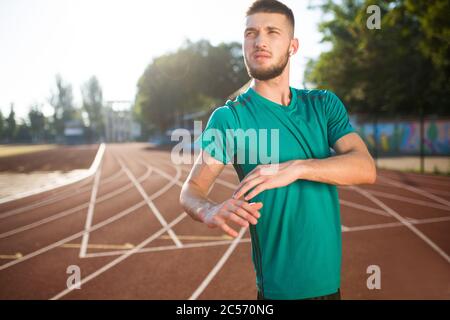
(333, 296)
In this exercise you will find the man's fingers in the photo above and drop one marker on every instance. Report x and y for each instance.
(245, 215)
(238, 220)
(250, 176)
(239, 212)
(253, 208)
(228, 230)
(256, 191)
(247, 186)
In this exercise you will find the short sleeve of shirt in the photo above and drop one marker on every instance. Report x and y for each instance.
(217, 138)
(338, 123)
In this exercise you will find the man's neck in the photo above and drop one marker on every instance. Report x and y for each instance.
(276, 90)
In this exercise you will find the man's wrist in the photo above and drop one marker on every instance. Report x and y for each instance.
(204, 210)
(303, 167)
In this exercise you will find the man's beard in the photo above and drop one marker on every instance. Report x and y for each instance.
(269, 73)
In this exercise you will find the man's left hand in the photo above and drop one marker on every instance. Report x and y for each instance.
(268, 176)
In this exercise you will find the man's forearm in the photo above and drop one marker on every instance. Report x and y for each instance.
(195, 202)
(345, 169)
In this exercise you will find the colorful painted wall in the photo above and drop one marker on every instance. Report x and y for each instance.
(403, 137)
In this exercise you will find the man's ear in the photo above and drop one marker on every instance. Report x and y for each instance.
(295, 46)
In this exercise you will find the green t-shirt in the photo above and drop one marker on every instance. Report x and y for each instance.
(296, 245)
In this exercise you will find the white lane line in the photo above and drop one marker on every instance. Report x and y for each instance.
(406, 199)
(72, 210)
(164, 174)
(410, 200)
(427, 189)
(218, 266)
(245, 240)
(364, 208)
(132, 251)
(416, 190)
(150, 204)
(422, 179)
(90, 215)
(90, 172)
(164, 248)
(43, 221)
(439, 192)
(54, 198)
(122, 257)
(405, 222)
(124, 246)
(56, 244)
(99, 225)
(396, 224)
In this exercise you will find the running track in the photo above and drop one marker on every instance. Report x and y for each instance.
(131, 239)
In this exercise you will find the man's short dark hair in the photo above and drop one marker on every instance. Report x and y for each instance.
(271, 6)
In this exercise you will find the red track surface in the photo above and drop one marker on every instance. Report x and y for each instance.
(401, 224)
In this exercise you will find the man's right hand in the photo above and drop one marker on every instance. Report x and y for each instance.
(237, 211)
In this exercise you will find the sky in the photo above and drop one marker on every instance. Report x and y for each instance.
(115, 40)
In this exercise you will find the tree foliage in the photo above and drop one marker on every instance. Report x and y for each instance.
(93, 105)
(198, 76)
(62, 102)
(402, 68)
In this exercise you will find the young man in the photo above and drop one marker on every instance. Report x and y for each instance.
(293, 212)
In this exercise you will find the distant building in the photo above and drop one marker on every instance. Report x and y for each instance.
(120, 126)
(74, 132)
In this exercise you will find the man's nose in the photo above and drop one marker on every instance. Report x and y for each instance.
(260, 43)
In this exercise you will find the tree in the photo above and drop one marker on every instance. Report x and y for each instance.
(11, 124)
(23, 133)
(388, 70)
(433, 17)
(62, 102)
(93, 105)
(37, 123)
(2, 125)
(196, 77)
(434, 43)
